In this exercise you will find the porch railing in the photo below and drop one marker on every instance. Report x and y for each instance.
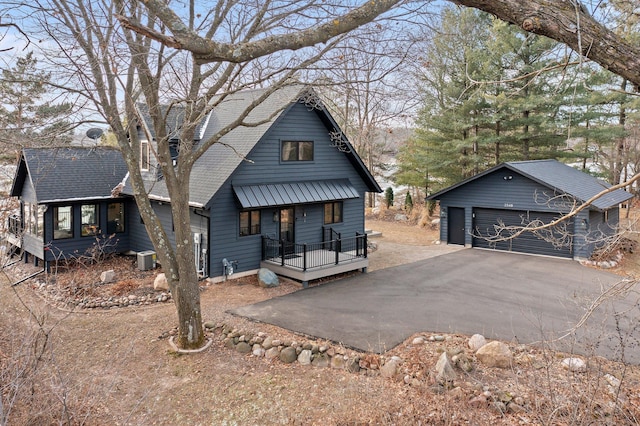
(314, 255)
(15, 225)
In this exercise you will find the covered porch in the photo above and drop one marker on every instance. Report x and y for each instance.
(306, 262)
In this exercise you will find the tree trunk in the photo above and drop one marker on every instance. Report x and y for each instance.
(497, 150)
(620, 162)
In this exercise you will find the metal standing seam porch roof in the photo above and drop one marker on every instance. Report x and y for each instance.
(271, 195)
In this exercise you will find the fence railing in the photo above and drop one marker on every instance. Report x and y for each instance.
(314, 255)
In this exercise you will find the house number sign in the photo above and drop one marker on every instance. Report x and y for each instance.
(508, 204)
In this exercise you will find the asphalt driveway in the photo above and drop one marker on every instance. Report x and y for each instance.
(503, 296)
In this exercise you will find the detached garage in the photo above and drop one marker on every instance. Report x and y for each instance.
(488, 210)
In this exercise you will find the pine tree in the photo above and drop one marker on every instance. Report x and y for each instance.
(27, 116)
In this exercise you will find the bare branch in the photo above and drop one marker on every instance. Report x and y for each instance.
(206, 50)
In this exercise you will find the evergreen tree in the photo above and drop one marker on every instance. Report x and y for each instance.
(27, 116)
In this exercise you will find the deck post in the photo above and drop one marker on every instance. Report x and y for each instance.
(366, 246)
(304, 257)
(337, 251)
(282, 252)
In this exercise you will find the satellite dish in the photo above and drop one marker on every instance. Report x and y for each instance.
(94, 133)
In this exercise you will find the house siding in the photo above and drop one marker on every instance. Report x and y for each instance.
(140, 240)
(79, 245)
(297, 124)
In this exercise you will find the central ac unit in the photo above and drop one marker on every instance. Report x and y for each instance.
(147, 260)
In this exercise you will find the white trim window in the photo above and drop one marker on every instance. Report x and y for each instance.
(145, 159)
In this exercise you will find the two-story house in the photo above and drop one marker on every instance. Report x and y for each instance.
(287, 192)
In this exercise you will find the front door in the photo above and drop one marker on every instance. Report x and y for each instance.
(287, 226)
(456, 234)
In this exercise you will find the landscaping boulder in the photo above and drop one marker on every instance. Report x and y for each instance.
(288, 355)
(267, 278)
(444, 371)
(575, 365)
(108, 276)
(160, 283)
(476, 342)
(495, 354)
(305, 357)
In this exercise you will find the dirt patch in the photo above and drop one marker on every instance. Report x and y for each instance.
(113, 366)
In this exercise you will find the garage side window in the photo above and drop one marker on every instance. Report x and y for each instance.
(62, 222)
(249, 223)
(333, 212)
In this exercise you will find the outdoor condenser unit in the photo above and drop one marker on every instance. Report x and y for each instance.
(147, 260)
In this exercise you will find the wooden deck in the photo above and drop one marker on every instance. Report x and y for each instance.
(294, 268)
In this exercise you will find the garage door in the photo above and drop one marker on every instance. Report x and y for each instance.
(484, 221)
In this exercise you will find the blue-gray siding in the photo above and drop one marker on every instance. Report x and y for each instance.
(79, 245)
(508, 190)
(298, 124)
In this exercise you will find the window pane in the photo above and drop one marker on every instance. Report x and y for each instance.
(115, 218)
(89, 214)
(337, 212)
(40, 221)
(244, 223)
(305, 151)
(255, 222)
(62, 222)
(289, 152)
(328, 213)
(144, 155)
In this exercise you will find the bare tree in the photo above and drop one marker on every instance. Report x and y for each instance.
(124, 52)
(366, 88)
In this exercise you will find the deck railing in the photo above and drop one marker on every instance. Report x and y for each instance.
(314, 255)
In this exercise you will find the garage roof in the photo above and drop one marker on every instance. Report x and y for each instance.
(559, 177)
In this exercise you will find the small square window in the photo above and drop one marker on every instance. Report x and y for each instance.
(297, 151)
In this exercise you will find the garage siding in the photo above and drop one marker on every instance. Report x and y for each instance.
(485, 231)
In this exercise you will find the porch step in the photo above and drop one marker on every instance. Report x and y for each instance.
(371, 233)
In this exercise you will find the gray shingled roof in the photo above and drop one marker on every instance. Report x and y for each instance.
(65, 174)
(559, 177)
(568, 180)
(174, 119)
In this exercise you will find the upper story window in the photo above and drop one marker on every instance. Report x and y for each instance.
(90, 222)
(297, 151)
(115, 218)
(144, 155)
(62, 222)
